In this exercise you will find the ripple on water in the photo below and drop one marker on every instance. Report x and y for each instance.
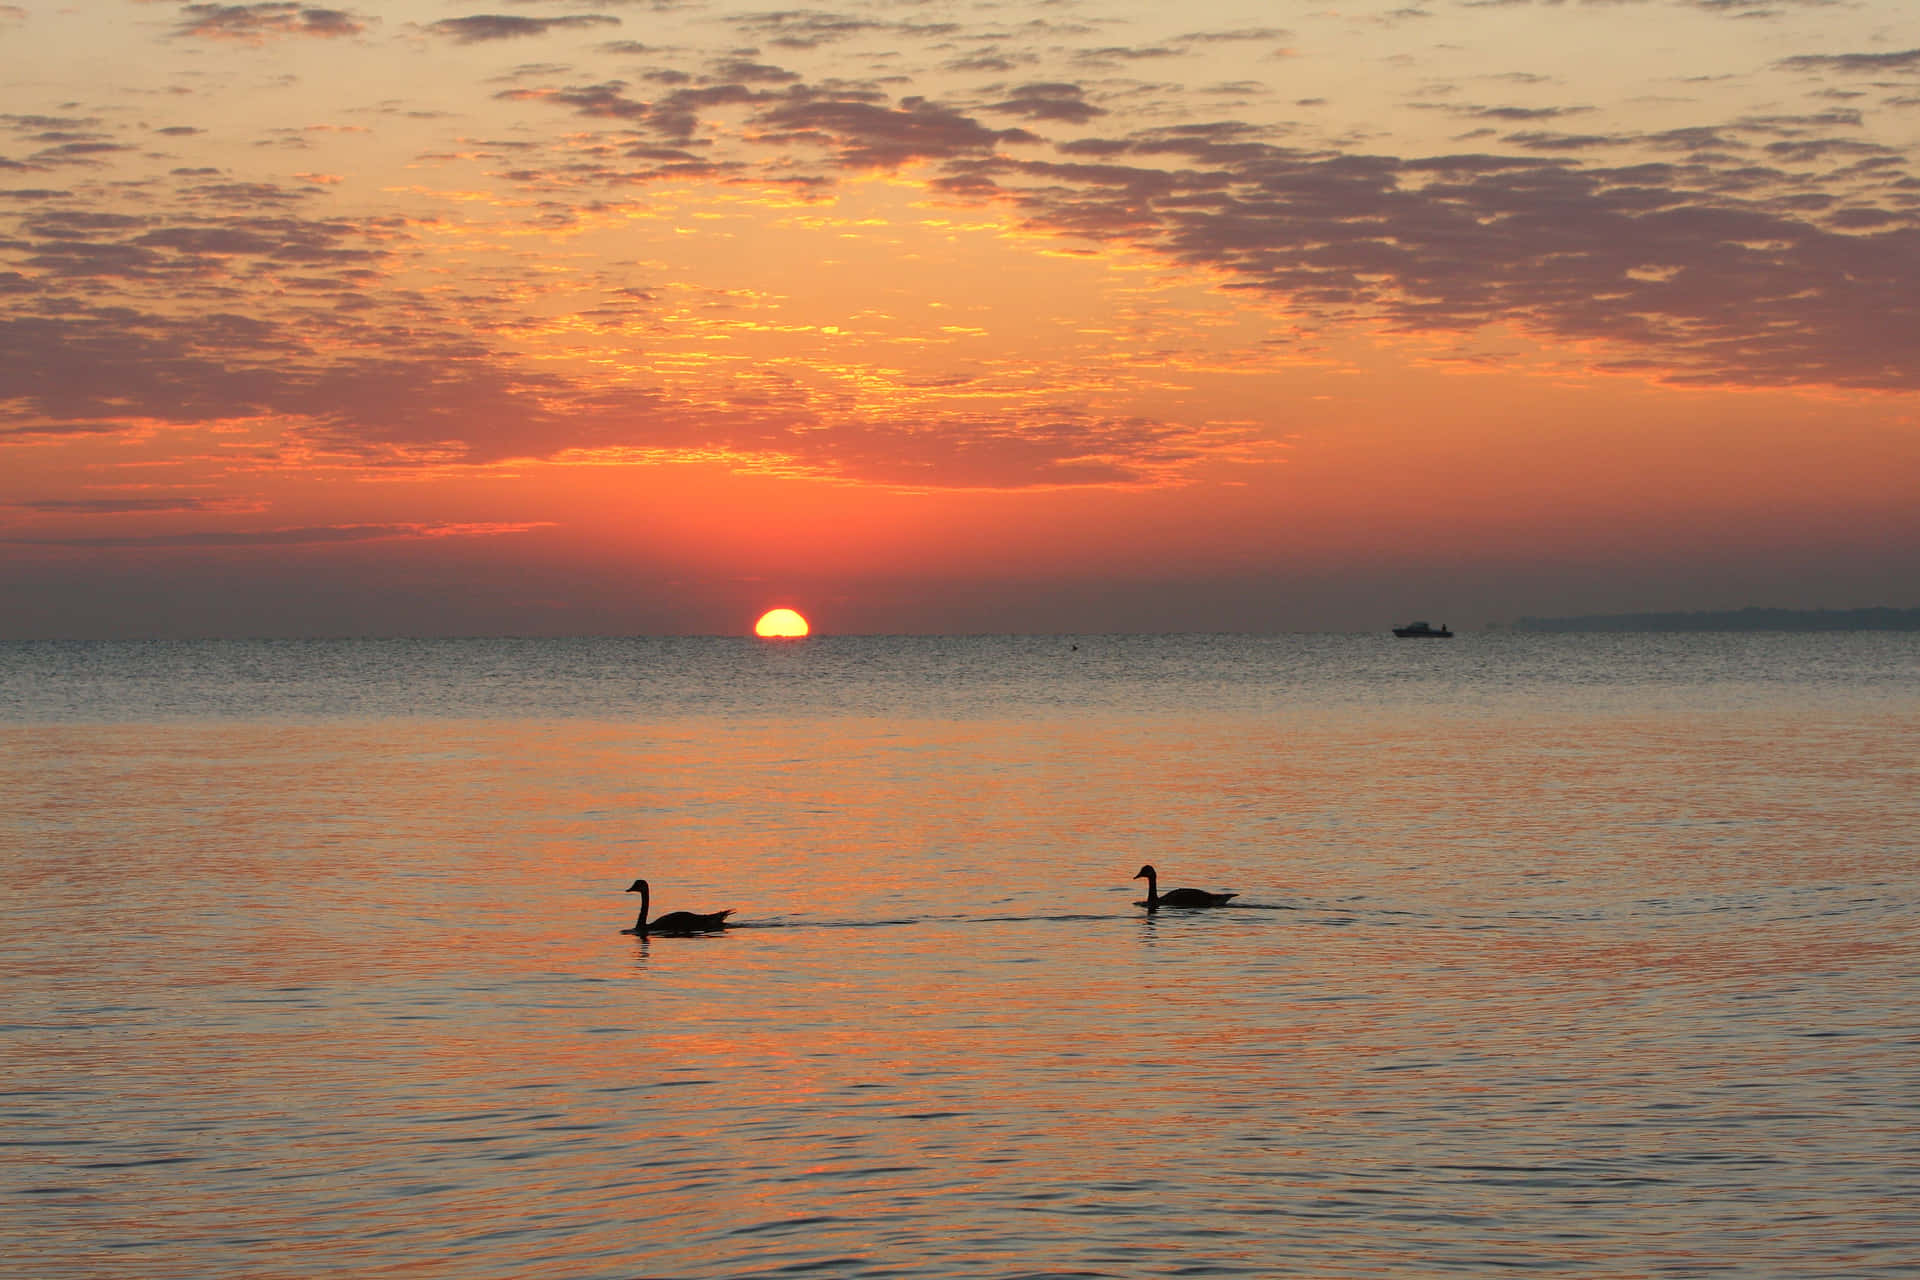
(1617, 985)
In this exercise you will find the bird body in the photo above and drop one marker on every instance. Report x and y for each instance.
(673, 921)
(1177, 897)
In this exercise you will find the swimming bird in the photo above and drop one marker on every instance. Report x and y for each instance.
(673, 921)
(1178, 897)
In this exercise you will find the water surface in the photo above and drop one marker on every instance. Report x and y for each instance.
(1580, 955)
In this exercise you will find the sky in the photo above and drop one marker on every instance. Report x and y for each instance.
(536, 317)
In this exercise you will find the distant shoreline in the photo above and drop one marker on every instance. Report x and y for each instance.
(1751, 618)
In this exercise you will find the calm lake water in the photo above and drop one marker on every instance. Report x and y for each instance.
(1580, 955)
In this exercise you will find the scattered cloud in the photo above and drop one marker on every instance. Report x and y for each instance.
(1066, 103)
(810, 29)
(1761, 246)
(871, 135)
(483, 27)
(309, 535)
(259, 23)
(1907, 60)
(126, 505)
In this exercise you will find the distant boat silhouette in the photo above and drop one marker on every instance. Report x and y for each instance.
(673, 921)
(1176, 897)
(1423, 631)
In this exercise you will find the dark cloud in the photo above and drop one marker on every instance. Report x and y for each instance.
(70, 151)
(483, 27)
(1697, 138)
(607, 101)
(1778, 249)
(106, 365)
(867, 135)
(860, 126)
(1062, 102)
(1513, 115)
(1747, 9)
(742, 71)
(125, 505)
(801, 29)
(1256, 35)
(1543, 141)
(39, 123)
(1854, 63)
(531, 71)
(258, 23)
(675, 116)
(1126, 53)
(1818, 149)
(310, 535)
(244, 195)
(431, 394)
(1776, 287)
(991, 63)
(78, 224)
(1755, 8)
(1800, 126)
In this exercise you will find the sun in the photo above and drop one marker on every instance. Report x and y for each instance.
(780, 624)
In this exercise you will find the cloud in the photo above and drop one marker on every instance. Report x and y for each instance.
(607, 101)
(173, 503)
(1062, 102)
(1540, 140)
(483, 27)
(1756, 290)
(1026, 450)
(258, 23)
(1773, 249)
(1854, 63)
(1112, 54)
(60, 141)
(1258, 35)
(309, 535)
(437, 396)
(75, 242)
(742, 71)
(675, 116)
(1745, 9)
(804, 29)
(870, 135)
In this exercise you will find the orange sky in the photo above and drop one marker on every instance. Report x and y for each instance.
(920, 317)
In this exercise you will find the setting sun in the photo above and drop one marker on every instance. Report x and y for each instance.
(780, 623)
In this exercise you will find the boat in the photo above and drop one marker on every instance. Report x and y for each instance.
(1423, 630)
